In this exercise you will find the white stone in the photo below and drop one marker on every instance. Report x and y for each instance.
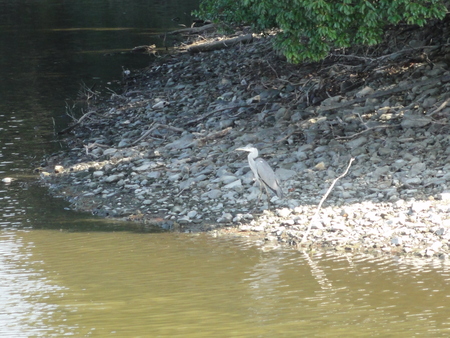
(233, 185)
(98, 173)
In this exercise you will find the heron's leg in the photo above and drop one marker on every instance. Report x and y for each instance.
(268, 197)
(260, 193)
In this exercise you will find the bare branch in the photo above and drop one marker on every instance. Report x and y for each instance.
(313, 219)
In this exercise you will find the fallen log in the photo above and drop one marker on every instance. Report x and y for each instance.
(144, 49)
(210, 46)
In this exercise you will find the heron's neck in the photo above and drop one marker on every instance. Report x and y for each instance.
(251, 161)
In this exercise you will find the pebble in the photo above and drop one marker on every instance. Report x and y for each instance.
(98, 174)
(233, 185)
(112, 178)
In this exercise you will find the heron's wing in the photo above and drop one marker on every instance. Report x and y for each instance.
(268, 177)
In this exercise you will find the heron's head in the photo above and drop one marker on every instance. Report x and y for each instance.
(249, 147)
(253, 152)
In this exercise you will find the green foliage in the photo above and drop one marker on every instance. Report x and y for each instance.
(308, 28)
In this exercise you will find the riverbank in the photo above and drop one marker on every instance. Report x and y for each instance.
(163, 151)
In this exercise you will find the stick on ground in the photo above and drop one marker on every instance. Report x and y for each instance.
(313, 219)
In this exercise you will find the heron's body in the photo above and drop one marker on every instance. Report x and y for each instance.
(262, 171)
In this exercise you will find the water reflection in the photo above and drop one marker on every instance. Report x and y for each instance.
(23, 313)
(48, 48)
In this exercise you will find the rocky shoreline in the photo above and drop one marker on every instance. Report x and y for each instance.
(163, 151)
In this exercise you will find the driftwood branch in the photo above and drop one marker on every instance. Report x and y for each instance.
(391, 56)
(73, 126)
(210, 46)
(204, 116)
(313, 219)
(156, 126)
(144, 49)
(442, 106)
(213, 136)
(366, 130)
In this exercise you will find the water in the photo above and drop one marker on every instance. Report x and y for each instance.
(67, 273)
(122, 284)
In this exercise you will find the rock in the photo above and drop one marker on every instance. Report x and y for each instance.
(396, 241)
(226, 179)
(213, 194)
(365, 92)
(112, 178)
(183, 220)
(412, 181)
(356, 143)
(320, 166)
(233, 185)
(174, 177)
(225, 218)
(154, 175)
(192, 214)
(98, 174)
(187, 184)
(109, 151)
(144, 167)
(160, 105)
(420, 206)
(331, 100)
(429, 102)
(285, 212)
(415, 121)
(417, 169)
(182, 143)
(380, 171)
(285, 174)
(445, 195)
(123, 143)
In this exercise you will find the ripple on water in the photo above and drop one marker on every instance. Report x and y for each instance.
(22, 287)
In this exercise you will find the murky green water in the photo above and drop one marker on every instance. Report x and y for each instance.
(97, 284)
(66, 273)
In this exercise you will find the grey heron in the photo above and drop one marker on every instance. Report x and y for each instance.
(262, 171)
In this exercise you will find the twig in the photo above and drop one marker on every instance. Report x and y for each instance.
(313, 219)
(442, 106)
(213, 136)
(381, 93)
(276, 74)
(365, 131)
(391, 56)
(198, 119)
(66, 130)
(54, 126)
(156, 126)
(92, 145)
